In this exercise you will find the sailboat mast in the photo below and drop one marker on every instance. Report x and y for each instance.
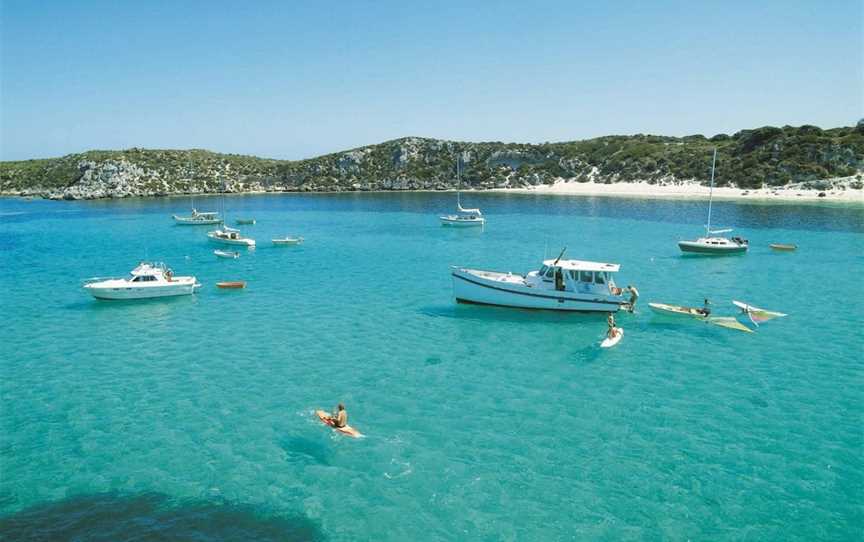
(711, 192)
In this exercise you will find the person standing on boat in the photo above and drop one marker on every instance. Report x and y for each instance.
(339, 417)
(705, 309)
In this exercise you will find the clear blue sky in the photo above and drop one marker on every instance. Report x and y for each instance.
(298, 79)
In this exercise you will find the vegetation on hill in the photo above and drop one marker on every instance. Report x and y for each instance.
(748, 159)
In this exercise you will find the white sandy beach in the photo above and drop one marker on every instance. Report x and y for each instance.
(691, 190)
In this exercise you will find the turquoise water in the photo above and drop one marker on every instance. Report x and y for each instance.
(194, 415)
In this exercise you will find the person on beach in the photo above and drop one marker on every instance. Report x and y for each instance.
(610, 320)
(339, 417)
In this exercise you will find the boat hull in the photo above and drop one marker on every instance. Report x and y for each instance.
(181, 221)
(469, 288)
(234, 242)
(692, 247)
(148, 292)
(457, 223)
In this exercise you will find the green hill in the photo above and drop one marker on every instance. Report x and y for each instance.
(748, 159)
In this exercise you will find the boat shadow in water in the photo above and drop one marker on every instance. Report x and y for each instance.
(152, 516)
(479, 313)
(147, 304)
(305, 450)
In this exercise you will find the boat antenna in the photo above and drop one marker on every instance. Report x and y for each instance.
(563, 250)
(711, 193)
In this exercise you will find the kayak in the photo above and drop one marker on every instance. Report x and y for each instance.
(347, 430)
(782, 246)
(677, 309)
(609, 342)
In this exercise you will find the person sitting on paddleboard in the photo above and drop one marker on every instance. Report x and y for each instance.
(340, 417)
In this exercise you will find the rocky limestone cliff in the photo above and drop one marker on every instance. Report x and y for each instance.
(806, 156)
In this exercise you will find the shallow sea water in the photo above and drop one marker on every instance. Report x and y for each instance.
(194, 415)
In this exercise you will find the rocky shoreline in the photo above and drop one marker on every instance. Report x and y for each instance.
(766, 159)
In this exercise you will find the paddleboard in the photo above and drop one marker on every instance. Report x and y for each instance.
(610, 342)
(347, 430)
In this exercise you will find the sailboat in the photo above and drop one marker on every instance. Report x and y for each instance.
(463, 217)
(713, 243)
(197, 218)
(229, 236)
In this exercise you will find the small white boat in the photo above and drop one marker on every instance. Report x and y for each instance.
(712, 244)
(245, 221)
(561, 285)
(230, 236)
(226, 254)
(148, 280)
(287, 241)
(198, 218)
(464, 218)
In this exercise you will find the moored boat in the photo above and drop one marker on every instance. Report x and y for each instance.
(227, 254)
(712, 243)
(284, 241)
(783, 247)
(245, 221)
(562, 285)
(231, 285)
(463, 218)
(198, 218)
(147, 280)
(230, 236)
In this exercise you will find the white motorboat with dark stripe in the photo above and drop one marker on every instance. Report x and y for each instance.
(230, 236)
(561, 285)
(146, 281)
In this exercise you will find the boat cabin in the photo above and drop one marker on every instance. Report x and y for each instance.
(576, 276)
(146, 272)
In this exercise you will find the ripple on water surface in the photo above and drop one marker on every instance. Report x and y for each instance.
(480, 423)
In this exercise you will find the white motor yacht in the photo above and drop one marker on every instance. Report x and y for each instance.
(230, 236)
(198, 218)
(562, 285)
(146, 281)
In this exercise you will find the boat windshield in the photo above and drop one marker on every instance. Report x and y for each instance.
(542, 270)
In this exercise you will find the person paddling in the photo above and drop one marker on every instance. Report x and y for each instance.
(339, 417)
